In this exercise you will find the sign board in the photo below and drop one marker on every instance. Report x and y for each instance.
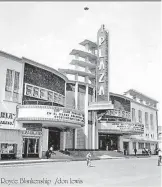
(35, 133)
(44, 94)
(7, 119)
(102, 65)
(123, 127)
(115, 113)
(50, 113)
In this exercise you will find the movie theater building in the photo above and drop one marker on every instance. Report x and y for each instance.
(71, 108)
(34, 115)
(108, 116)
(11, 81)
(44, 112)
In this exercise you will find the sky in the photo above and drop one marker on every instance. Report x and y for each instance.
(46, 32)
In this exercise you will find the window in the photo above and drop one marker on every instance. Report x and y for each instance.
(9, 80)
(12, 85)
(16, 82)
(146, 120)
(133, 115)
(134, 145)
(151, 121)
(140, 145)
(140, 116)
(8, 148)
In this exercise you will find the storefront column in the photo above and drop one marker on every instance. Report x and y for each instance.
(64, 140)
(44, 139)
(93, 129)
(86, 118)
(0, 151)
(75, 138)
(120, 144)
(96, 133)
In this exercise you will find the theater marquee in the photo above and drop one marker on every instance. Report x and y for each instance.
(122, 127)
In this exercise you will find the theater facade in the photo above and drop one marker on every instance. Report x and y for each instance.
(33, 113)
(71, 109)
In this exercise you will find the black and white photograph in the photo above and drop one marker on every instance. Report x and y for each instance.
(80, 97)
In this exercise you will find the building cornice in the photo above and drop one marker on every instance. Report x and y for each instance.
(83, 64)
(138, 94)
(77, 72)
(92, 44)
(9, 56)
(83, 54)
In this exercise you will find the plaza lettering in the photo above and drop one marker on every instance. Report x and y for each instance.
(102, 73)
(101, 78)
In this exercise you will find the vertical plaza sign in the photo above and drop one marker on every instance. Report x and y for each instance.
(102, 65)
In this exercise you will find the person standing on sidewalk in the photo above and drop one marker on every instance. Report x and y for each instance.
(88, 159)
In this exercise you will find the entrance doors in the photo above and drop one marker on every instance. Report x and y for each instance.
(108, 142)
(126, 148)
(30, 147)
(54, 138)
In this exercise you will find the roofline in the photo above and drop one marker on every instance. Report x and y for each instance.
(7, 55)
(26, 60)
(139, 93)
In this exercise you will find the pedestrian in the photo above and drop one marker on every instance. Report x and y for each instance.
(88, 159)
(159, 157)
(51, 149)
(135, 151)
(48, 154)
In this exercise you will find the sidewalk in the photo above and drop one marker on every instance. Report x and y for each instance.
(35, 161)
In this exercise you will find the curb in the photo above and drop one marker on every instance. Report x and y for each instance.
(49, 161)
(5, 163)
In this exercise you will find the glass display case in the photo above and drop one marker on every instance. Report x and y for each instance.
(8, 151)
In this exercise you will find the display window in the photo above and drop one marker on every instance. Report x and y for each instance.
(8, 148)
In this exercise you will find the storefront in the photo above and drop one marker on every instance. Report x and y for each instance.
(108, 142)
(31, 140)
(45, 126)
(10, 136)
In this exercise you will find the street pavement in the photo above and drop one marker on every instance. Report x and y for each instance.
(134, 172)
